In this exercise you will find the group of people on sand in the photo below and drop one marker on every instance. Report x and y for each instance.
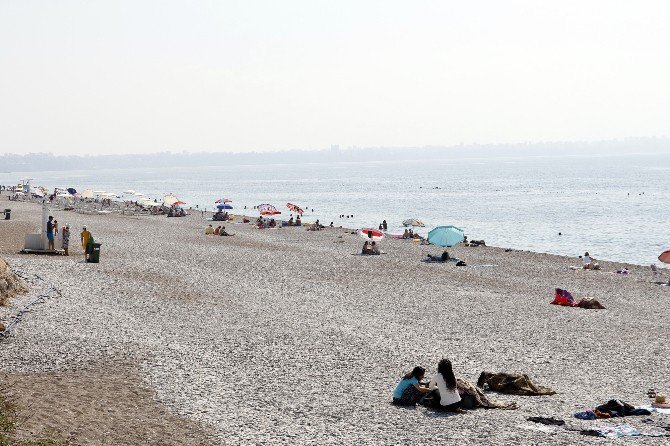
(219, 230)
(297, 221)
(220, 216)
(176, 212)
(53, 230)
(441, 393)
(370, 249)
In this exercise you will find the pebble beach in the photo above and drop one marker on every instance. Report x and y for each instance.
(287, 336)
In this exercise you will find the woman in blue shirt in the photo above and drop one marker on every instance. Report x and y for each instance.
(409, 391)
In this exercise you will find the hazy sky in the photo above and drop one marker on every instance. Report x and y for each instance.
(143, 76)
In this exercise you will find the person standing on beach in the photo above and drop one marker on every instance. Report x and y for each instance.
(386, 226)
(85, 237)
(50, 233)
(66, 239)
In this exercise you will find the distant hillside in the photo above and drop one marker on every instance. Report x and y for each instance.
(47, 161)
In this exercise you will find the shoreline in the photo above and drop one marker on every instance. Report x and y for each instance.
(324, 335)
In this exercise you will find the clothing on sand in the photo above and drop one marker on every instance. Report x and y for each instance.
(512, 383)
(473, 398)
(564, 298)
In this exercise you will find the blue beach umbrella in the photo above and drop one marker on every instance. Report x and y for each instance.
(223, 206)
(445, 236)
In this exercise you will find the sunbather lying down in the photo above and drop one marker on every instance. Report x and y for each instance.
(564, 298)
(441, 258)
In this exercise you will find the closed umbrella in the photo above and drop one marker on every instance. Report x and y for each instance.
(446, 236)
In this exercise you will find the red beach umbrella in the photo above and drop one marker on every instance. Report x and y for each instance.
(665, 256)
(223, 200)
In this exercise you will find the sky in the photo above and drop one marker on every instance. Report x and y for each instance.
(141, 76)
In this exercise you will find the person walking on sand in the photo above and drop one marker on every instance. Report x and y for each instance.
(66, 239)
(50, 233)
(85, 237)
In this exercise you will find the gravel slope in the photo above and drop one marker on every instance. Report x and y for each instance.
(285, 337)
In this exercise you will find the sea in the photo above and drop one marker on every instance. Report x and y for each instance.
(613, 206)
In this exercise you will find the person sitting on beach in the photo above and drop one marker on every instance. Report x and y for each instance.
(298, 222)
(223, 232)
(409, 390)
(375, 249)
(209, 230)
(590, 263)
(441, 258)
(290, 221)
(366, 248)
(273, 223)
(217, 231)
(405, 235)
(445, 394)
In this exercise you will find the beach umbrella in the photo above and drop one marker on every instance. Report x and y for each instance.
(446, 236)
(72, 190)
(129, 192)
(223, 200)
(376, 233)
(178, 203)
(413, 222)
(293, 208)
(665, 256)
(170, 199)
(267, 209)
(223, 206)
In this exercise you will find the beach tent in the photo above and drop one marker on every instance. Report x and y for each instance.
(413, 222)
(446, 236)
(293, 208)
(267, 209)
(376, 233)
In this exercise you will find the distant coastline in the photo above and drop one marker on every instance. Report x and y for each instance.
(30, 162)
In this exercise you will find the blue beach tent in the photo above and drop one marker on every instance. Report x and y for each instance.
(445, 236)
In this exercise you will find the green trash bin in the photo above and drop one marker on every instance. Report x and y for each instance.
(94, 253)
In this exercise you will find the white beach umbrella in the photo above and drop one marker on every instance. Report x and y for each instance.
(170, 199)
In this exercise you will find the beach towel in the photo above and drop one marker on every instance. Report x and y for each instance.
(477, 398)
(512, 383)
(620, 430)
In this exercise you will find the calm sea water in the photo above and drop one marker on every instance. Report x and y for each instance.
(615, 207)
